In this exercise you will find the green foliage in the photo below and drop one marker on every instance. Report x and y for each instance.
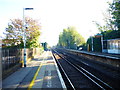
(115, 11)
(14, 33)
(104, 27)
(111, 34)
(108, 31)
(111, 18)
(70, 38)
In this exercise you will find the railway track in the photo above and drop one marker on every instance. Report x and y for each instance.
(77, 76)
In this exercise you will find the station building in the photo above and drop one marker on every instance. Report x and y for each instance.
(111, 46)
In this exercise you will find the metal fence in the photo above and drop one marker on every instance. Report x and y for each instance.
(13, 56)
(10, 57)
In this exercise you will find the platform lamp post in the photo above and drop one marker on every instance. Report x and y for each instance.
(24, 35)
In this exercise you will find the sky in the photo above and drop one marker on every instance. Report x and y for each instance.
(55, 15)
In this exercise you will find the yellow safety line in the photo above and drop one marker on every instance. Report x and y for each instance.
(33, 80)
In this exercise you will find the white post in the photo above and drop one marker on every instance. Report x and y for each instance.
(24, 38)
(92, 43)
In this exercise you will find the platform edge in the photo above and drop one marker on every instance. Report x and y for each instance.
(59, 74)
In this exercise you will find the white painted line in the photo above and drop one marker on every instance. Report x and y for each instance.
(49, 83)
(59, 74)
(33, 83)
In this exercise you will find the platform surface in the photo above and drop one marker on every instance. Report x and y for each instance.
(41, 72)
(48, 74)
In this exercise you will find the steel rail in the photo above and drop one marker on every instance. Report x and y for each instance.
(64, 73)
(89, 75)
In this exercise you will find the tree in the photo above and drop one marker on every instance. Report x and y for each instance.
(111, 17)
(108, 22)
(70, 38)
(14, 32)
(115, 11)
(111, 29)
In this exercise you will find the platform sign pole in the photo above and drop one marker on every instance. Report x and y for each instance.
(24, 35)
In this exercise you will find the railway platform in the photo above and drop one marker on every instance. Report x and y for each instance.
(41, 72)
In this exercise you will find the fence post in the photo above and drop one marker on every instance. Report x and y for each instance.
(3, 60)
(14, 57)
(22, 57)
(8, 58)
